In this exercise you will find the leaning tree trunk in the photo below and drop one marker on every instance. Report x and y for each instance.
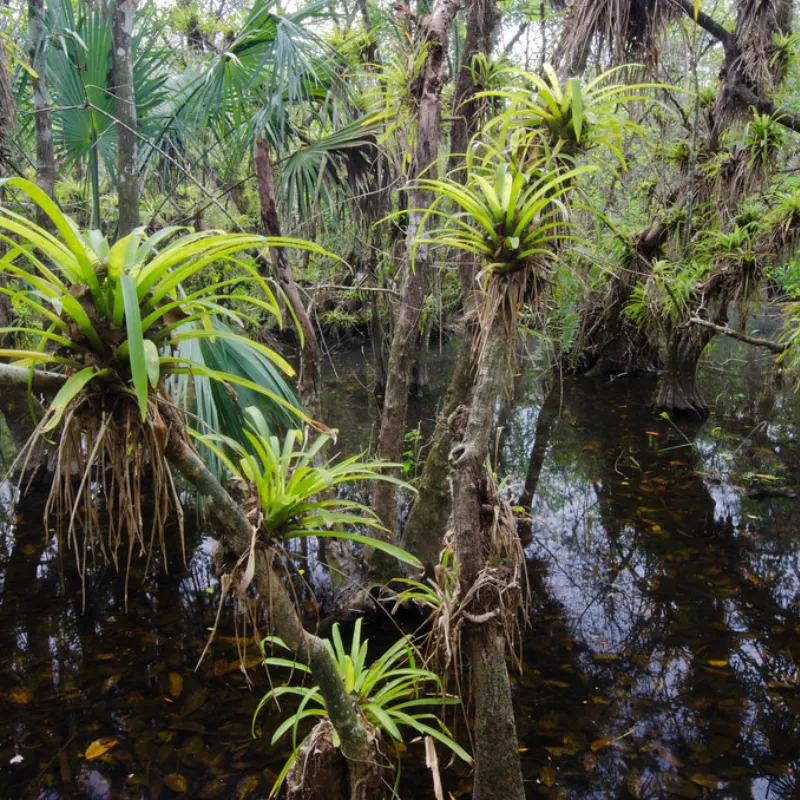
(366, 773)
(433, 34)
(427, 521)
(497, 765)
(125, 112)
(43, 119)
(309, 383)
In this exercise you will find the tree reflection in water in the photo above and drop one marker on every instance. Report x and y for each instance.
(665, 625)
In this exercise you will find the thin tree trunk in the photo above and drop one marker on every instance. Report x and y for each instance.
(433, 33)
(497, 765)
(43, 120)
(125, 112)
(7, 108)
(483, 17)
(309, 382)
(427, 521)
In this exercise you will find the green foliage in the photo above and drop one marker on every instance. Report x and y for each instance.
(573, 118)
(119, 310)
(391, 693)
(666, 294)
(505, 216)
(765, 135)
(294, 494)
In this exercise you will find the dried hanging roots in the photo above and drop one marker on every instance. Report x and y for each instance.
(499, 596)
(109, 475)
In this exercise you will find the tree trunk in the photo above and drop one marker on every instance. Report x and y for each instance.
(125, 112)
(357, 742)
(309, 382)
(7, 109)
(433, 32)
(607, 342)
(45, 157)
(497, 766)
(427, 521)
(482, 19)
(677, 391)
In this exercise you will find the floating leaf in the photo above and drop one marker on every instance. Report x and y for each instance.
(175, 683)
(706, 781)
(599, 744)
(718, 662)
(548, 776)
(100, 747)
(176, 782)
(109, 683)
(21, 695)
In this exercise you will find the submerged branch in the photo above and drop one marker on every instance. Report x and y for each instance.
(757, 341)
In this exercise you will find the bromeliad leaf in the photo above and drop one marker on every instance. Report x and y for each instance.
(136, 354)
(67, 393)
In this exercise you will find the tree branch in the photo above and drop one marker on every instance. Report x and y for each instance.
(708, 24)
(757, 341)
(46, 382)
(766, 106)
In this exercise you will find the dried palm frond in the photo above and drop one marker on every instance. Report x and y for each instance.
(627, 29)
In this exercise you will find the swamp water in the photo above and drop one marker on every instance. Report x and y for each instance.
(661, 659)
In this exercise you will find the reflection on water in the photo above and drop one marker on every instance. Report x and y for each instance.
(660, 662)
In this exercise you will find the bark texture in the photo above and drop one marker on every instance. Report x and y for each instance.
(43, 119)
(433, 32)
(497, 766)
(309, 382)
(677, 391)
(483, 17)
(607, 342)
(427, 521)
(125, 112)
(7, 108)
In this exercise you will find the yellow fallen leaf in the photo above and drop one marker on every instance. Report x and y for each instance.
(175, 683)
(21, 695)
(548, 776)
(707, 781)
(176, 782)
(100, 746)
(599, 744)
(718, 662)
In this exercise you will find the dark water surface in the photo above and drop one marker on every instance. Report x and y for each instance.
(661, 660)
